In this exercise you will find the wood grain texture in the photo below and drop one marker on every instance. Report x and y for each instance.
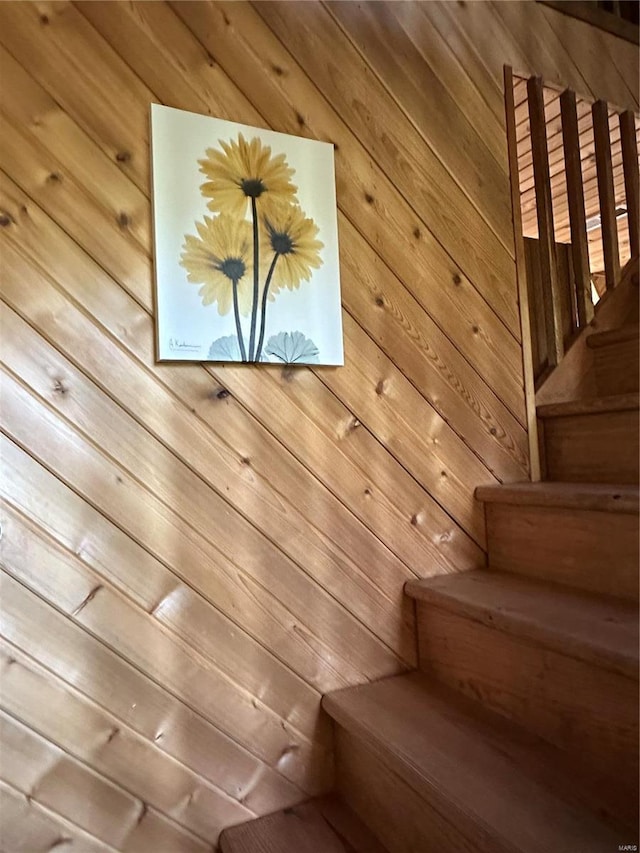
(616, 362)
(142, 452)
(135, 636)
(575, 378)
(29, 826)
(52, 778)
(418, 731)
(614, 80)
(600, 632)
(605, 19)
(596, 445)
(87, 732)
(216, 536)
(575, 193)
(630, 164)
(302, 829)
(528, 365)
(158, 526)
(322, 50)
(540, 44)
(606, 192)
(453, 64)
(592, 496)
(577, 706)
(436, 115)
(567, 545)
(63, 647)
(559, 187)
(381, 798)
(564, 315)
(551, 298)
(348, 826)
(448, 23)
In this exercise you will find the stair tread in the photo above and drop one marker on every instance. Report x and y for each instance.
(596, 629)
(324, 825)
(590, 405)
(610, 337)
(590, 496)
(499, 785)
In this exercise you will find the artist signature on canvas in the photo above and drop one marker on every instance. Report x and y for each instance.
(176, 345)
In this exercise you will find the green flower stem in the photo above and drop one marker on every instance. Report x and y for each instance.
(263, 312)
(236, 311)
(256, 278)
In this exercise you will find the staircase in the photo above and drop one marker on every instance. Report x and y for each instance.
(519, 731)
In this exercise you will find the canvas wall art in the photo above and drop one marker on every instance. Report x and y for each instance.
(246, 243)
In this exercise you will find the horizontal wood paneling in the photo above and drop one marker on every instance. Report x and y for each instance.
(191, 555)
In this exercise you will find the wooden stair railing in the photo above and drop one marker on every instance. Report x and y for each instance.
(558, 277)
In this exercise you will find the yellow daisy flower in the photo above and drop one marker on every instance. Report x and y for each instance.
(289, 250)
(245, 172)
(290, 239)
(221, 260)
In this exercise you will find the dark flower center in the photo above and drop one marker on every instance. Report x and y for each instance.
(281, 243)
(252, 187)
(233, 268)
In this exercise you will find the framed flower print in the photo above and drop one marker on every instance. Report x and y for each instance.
(246, 243)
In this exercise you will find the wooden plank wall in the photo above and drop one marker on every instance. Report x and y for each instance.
(192, 555)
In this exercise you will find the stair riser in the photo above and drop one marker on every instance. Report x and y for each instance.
(402, 818)
(592, 448)
(323, 824)
(578, 707)
(569, 546)
(617, 368)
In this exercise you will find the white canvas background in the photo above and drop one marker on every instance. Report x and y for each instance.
(179, 140)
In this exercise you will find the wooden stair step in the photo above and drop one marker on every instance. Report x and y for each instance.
(600, 497)
(523, 648)
(430, 773)
(598, 630)
(592, 440)
(590, 405)
(584, 535)
(324, 825)
(616, 360)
